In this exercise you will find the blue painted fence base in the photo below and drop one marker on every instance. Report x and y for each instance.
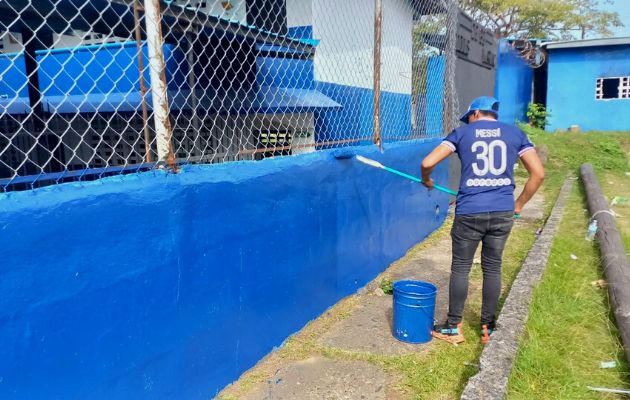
(170, 286)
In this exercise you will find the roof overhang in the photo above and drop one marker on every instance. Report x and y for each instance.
(573, 44)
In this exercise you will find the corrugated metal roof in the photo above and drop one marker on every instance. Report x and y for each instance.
(587, 43)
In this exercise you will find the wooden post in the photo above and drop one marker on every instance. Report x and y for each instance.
(614, 260)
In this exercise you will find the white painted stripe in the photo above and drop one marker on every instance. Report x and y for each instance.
(520, 153)
(449, 145)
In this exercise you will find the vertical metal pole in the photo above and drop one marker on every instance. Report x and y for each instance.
(31, 65)
(449, 114)
(378, 20)
(143, 88)
(157, 67)
(49, 154)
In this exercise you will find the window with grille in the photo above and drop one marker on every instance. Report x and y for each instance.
(276, 142)
(624, 88)
(613, 88)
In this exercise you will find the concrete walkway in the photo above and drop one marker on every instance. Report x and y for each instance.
(337, 355)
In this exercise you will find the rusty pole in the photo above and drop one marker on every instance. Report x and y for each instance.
(157, 68)
(143, 88)
(378, 21)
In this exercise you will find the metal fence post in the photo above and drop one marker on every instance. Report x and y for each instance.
(450, 103)
(157, 68)
(143, 88)
(378, 24)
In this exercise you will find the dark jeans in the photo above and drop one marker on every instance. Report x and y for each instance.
(492, 230)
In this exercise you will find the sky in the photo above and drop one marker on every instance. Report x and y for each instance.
(623, 8)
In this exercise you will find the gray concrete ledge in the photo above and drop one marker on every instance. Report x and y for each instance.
(495, 364)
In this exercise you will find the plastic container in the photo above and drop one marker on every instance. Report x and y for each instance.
(592, 231)
(414, 307)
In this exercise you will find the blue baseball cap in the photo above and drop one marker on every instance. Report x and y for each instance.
(483, 103)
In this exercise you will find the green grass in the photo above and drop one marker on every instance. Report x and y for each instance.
(569, 331)
(570, 328)
(616, 184)
(568, 151)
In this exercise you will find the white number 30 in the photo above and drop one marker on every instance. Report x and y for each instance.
(487, 157)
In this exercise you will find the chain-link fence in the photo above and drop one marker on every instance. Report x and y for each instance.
(102, 87)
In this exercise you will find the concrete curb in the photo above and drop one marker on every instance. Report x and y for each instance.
(495, 364)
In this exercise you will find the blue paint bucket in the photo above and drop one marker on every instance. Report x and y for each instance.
(414, 307)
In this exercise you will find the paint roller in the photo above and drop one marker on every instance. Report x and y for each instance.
(348, 153)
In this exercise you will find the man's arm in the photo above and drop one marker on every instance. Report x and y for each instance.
(434, 158)
(536, 177)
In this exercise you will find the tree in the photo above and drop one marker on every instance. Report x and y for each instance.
(543, 19)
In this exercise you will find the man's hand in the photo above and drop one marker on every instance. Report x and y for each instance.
(436, 156)
(536, 177)
(518, 207)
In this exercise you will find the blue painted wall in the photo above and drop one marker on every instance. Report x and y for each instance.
(434, 112)
(108, 73)
(301, 32)
(156, 286)
(356, 118)
(284, 72)
(513, 84)
(572, 78)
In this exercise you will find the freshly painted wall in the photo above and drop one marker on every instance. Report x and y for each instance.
(434, 114)
(572, 79)
(355, 118)
(513, 85)
(156, 286)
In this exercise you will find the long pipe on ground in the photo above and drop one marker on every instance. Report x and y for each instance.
(614, 259)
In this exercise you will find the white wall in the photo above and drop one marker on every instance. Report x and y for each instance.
(345, 53)
(11, 42)
(397, 46)
(238, 12)
(299, 12)
(81, 38)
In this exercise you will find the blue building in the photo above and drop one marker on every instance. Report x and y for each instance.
(514, 83)
(589, 84)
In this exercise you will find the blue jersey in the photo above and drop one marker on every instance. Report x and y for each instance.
(488, 151)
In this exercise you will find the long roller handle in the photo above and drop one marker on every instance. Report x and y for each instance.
(377, 164)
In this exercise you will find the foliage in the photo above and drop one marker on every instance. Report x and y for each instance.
(543, 19)
(387, 285)
(537, 115)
